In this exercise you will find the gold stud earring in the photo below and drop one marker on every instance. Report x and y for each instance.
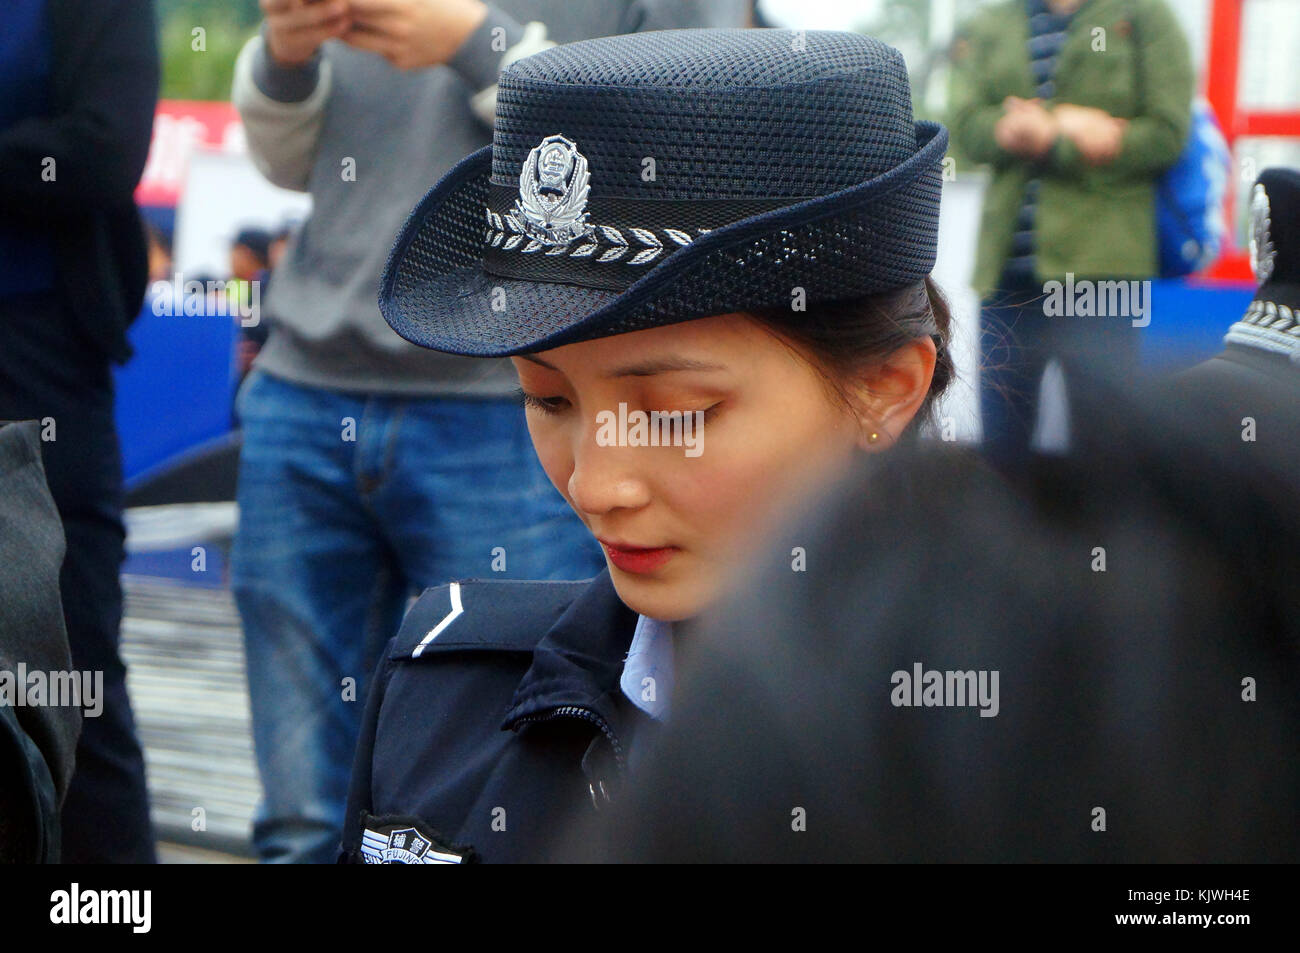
(873, 437)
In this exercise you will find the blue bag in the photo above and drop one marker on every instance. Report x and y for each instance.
(1189, 198)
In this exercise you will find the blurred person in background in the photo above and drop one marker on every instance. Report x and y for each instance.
(1250, 391)
(372, 468)
(253, 338)
(160, 254)
(78, 86)
(250, 261)
(250, 254)
(37, 742)
(1078, 107)
(163, 293)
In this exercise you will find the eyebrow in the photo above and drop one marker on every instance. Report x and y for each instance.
(646, 368)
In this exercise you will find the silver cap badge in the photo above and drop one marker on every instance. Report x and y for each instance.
(553, 187)
(1261, 243)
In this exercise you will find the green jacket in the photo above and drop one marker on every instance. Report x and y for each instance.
(1094, 221)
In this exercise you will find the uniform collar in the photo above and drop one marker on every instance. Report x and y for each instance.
(579, 660)
(647, 679)
(1269, 326)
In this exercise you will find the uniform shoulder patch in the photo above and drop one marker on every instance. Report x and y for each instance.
(401, 839)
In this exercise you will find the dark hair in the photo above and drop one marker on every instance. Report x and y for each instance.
(840, 338)
(256, 240)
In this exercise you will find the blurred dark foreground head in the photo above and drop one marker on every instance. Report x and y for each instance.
(1139, 608)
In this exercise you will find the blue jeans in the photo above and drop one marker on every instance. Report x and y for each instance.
(1017, 340)
(350, 504)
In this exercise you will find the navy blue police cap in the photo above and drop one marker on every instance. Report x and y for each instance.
(651, 178)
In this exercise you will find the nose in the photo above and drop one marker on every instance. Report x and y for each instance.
(606, 478)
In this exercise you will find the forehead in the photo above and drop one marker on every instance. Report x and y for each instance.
(722, 342)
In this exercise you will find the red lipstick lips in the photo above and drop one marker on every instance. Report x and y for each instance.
(637, 559)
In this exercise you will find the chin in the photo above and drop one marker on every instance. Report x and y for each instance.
(660, 597)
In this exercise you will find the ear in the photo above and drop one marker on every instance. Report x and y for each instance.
(892, 391)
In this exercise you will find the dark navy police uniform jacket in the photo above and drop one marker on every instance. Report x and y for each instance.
(494, 717)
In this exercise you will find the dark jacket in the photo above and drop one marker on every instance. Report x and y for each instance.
(1247, 401)
(104, 87)
(485, 742)
(37, 742)
(1239, 366)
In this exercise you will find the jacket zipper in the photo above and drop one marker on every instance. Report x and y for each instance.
(585, 714)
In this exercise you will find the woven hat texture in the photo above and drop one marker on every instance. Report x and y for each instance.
(777, 159)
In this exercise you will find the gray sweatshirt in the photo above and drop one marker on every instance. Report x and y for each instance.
(367, 141)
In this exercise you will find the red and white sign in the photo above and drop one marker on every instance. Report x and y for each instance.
(179, 128)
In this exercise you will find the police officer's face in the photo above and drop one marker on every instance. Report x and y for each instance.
(675, 519)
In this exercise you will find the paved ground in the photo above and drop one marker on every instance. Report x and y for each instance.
(185, 660)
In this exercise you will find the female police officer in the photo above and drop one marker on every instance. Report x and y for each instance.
(708, 253)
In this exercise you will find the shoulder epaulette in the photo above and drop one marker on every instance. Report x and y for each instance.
(501, 614)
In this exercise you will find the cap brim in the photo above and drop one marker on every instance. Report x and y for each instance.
(436, 293)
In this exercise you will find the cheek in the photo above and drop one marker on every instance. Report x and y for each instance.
(709, 494)
(759, 466)
(718, 493)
